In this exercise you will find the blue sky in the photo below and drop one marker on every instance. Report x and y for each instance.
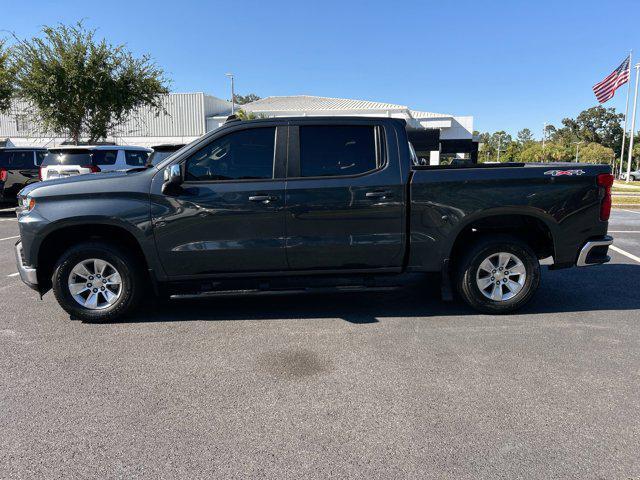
(510, 64)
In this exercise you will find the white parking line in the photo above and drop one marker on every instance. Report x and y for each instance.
(625, 253)
(8, 209)
(8, 219)
(625, 210)
(9, 238)
(13, 274)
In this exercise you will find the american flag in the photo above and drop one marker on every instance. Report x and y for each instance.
(605, 89)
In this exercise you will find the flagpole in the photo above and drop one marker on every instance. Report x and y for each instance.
(633, 124)
(626, 116)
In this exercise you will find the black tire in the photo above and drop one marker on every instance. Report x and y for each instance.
(632, 178)
(469, 265)
(130, 273)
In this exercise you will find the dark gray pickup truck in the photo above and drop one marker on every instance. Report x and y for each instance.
(297, 204)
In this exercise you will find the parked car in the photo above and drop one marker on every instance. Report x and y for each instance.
(297, 204)
(160, 152)
(18, 168)
(633, 175)
(72, 160)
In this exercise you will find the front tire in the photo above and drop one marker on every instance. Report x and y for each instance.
(499, 274)
(97, 282)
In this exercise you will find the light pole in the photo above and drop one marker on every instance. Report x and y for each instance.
(233, 96)
(577, 146)
(499, 145)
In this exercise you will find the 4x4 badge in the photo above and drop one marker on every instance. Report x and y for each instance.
(558, 173)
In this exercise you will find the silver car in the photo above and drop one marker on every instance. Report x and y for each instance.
(633, 176)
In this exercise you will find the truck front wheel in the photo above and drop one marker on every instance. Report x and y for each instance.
(499, 274)
(96, 282)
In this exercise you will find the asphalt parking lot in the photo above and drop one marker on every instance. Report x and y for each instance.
(375, 385)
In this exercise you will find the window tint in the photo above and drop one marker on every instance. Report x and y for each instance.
(242, 155)
(21, 160)
(136, 158)
(40, 154)
(67, 157)
(337, 150)
(104, 157)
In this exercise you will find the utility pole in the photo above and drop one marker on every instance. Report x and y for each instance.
(233, 95)
(633, 124)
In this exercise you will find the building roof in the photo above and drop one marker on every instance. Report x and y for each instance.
(312, 103)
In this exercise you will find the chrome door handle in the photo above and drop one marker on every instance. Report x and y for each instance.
(379, 194)
(263, 198)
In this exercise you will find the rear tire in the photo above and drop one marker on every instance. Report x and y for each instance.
(82, 290)
(498, 275)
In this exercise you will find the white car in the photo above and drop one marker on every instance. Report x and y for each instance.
(71, 160)
(633, 176)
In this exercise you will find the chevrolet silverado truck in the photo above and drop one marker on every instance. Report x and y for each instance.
(304, 204)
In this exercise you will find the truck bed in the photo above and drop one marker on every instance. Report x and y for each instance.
(446, 200)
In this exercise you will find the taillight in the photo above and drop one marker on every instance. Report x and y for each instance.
(40, 174)
(3, 175)
(605, 180)
(93, 168)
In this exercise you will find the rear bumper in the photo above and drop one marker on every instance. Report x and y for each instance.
(28, 275)
(594, 252)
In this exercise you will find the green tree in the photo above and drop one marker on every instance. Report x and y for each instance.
(244, 115)
(594, 125)
(80, 86)
(595, 153)
(244, 99)
(525, 136)
(531, 153)
(6, 78)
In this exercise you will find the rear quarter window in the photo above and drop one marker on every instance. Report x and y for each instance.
(136, 158)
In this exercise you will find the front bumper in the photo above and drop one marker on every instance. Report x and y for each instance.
(28, 275)
(594, 252)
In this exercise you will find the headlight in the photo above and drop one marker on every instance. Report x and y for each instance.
(27, 203)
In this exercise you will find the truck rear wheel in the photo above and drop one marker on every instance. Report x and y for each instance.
(499, 274)
(96, 282)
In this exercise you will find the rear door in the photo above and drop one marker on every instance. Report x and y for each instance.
(345, 199)
(228, 215)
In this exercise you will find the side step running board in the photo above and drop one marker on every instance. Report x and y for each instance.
(258, 292)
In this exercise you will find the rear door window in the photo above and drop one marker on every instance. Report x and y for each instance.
(104, 157)
(136, 158)
(337, 150)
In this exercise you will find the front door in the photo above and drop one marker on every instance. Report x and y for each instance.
(345, 199)
(228, 215)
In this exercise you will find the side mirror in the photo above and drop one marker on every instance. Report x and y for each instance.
(172, 178)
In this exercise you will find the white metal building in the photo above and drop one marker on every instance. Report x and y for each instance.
(190, 115)
(184, 119)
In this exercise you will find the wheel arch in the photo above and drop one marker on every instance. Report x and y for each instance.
(535, 229)
(60, 236)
